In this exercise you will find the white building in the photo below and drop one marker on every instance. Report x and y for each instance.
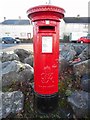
(24, 29)
(16, 28)
(76, 27)
(21, 28)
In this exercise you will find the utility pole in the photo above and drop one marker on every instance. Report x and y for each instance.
(49, 2)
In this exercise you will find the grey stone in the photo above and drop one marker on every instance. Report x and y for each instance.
(6, 56)
(22, 54)
(13, 71)
(79, 48)
(29, 60)
(82, 68)
(11, 102)
(85, 82)
(85, 53)
(68, 52)
(63, 64)
(80, 103)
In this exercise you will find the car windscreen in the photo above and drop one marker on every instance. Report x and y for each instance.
(6, 38)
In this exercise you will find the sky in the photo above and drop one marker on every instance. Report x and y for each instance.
(12, 9)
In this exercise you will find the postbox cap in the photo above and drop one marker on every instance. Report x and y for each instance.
(45, 12)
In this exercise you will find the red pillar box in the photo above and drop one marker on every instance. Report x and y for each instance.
(46, 20)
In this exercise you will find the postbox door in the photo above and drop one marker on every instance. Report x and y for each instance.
(46, 49)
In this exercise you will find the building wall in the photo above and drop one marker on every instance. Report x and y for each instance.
(62, 28)
(76, 27)
(76, 30)
(25, 31)
(21, 31)
(89, 29)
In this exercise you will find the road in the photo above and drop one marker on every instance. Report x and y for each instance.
(3, 46)
(27, 46)
(11, 47)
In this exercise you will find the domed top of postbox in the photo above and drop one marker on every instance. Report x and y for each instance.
(45, 12)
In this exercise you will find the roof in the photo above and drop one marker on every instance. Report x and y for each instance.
(16, 22)
(77, 19)
(27, 22)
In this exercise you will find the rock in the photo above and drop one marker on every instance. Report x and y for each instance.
(29, 60)
(85, 82)
(12, 102)
(82, 68)
(63, 64)
(13, 71)
(79, 48)
(4, 57)
(80, 103)
(68, 52)
(65, 113)
(22, 54)
(85, 53)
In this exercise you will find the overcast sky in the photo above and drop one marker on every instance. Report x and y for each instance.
(12, 9)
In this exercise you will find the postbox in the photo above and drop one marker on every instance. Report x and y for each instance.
(46, 19)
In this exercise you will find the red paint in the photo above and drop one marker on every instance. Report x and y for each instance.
(46, 28)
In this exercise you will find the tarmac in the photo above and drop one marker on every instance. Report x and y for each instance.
(21, 46)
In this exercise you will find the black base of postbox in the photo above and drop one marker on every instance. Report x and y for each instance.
(46, 104)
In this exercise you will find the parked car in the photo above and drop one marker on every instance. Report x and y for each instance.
(84, 39)
(10, 40)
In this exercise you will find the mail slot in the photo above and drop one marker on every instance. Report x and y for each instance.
(46, 28)
(46, 20)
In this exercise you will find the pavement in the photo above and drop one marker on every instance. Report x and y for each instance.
(26, 46)
(19, 46)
